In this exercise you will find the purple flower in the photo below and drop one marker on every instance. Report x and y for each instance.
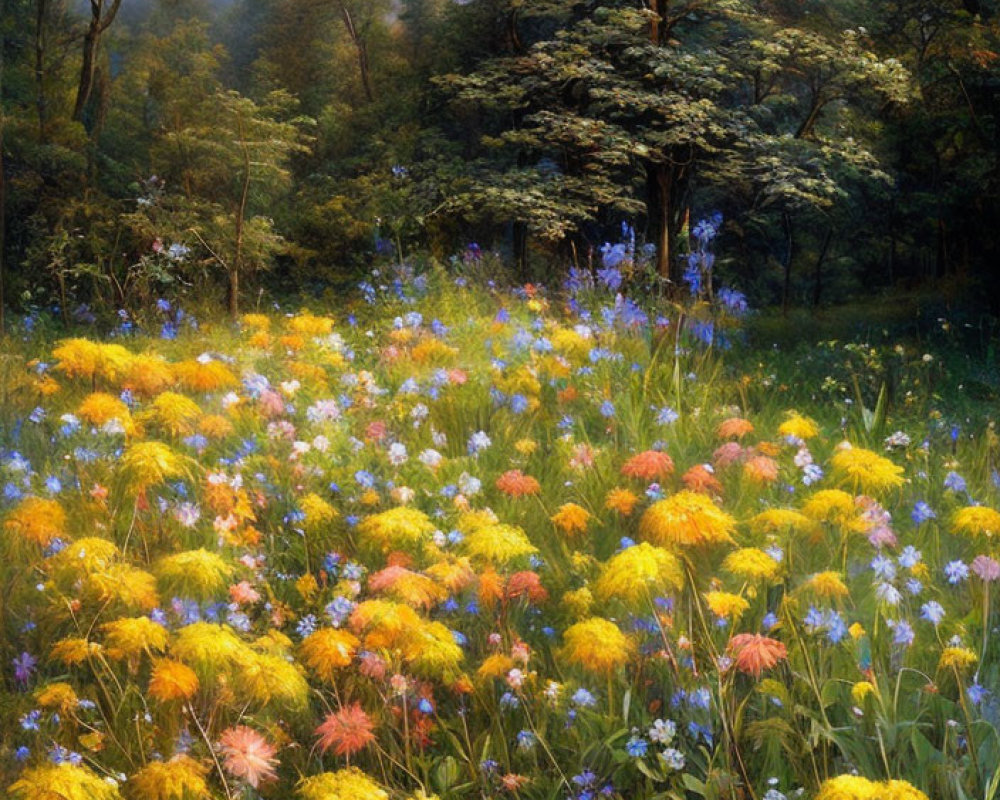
(24, 666)
(902, 633)
(986, 568)
(954, 482)
(956, 571)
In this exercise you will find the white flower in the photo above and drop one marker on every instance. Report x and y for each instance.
(397, 454)
(430, 458)
(663, 731)
(674, 759)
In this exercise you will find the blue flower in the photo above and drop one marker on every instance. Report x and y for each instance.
(922, 513)
(636, 747)
(956, 571)
(583, 698)
(932, 611)
(954, 482)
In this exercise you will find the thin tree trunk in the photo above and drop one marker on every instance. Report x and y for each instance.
(99, 23)
(818, 273)
(362, 51)
(663, 179)
(786, 292)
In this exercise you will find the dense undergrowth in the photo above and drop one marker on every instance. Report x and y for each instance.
(479, 543)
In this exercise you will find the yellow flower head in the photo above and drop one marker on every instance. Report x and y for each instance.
(578, 602)
(781, 520)
(59, 697)
(621, 500)
(686, 519)
(257, 322)
(638, 574)
(958, 658)
(345, 784)
(866, 471)
(828, 585)
(180, 778)
(101, 407)
(597, 645)
(849, 787)
(129, 637)
(499, 544)
(147, 464)
(328, 650)
(401, 528)
(73, 651)
(61, 782)
(976, 521)
(272, 680)
(196, 574)
(198, 375)
(571, 519)
(121, 586)
(308, 324)
(726, 605)
(751, 563)
(495, 666)
(861, 690)
(37, 520)
(172, 680)
(526, 446)
(209, 649)
(385, 625)
(148, 375)
(432, 652)
(174, 414)
(82, 358)
(319, 513)
(831, 505)
(902, 790)
(798, 427)
(856, 630)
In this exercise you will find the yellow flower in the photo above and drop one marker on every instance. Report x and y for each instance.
(204, 376)
(197, 574)
(526, 446)
(597, 645)
(751, 563)
(455, 573)
(270, 679)
(831, 505)
(215, 426)
(174, 414)
(976, 521)
(180, 778)
(346, 784)
(148, 375)
(319, 513)
(571, 519)
(328, 650)
(958, 658)
(82, 358)
(61, 782)
(495, 666)
(687, 519)
(37, 520)
(310, 325)
(781, 520)
(474, 520)
(432, 652)
(798, 427)
(100, 407)
(856, 630)
(866, 471)
(861, 690)
(147, 464)
(726, 604)
(121, 586)
(849, 787)
(828, 584)
(209, 649)
(73, 651)
(901, 790)
(401, 528)
(58, 697)
(260, 322)
(621, 500)
(172, 680)
(386, 625)
(578, 602)
(499, 544)
(307, 586)
(129, 637)
(638, 574)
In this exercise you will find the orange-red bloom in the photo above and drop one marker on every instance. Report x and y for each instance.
(700, 479)
(516, 484)
(346, 731)
(754, 653)
(248, 755)
(649, 465)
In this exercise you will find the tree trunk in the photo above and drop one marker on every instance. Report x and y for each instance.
(99, 22)
(786, 292)
(818, 272)
(3, 209)
(362, 50)
(237, 266)
(662, 216)
(233, 294)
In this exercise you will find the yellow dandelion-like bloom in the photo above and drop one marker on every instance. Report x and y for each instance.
(831, 505)
(58, 696)
(455, 573)
(957, 658)
(81, 557)
(215, 426)
(849, 787)
(781, 520)
(197, 574)
(407, 586)
(621, 500)
(82, 358)
(432, 652)
(597, 645)
(867, 471)
(319, 513)
(148, 375)
(209, 649)
(147, 464)
(310, 325)
(433, 351)
(902, 790)
(726, 605)
(571, 519)
(385, 625)
(328, 650)
(180, 778)
(36, 519)
(638, 574)
(204, 376)
(129, 637)
(571, 344)
(526, 446)
(121, 586)
(578, 602)
(861, 690)
(470, 521)
(751, 563)
(171, 680)
(273, 642)
(74, 651)
(100, 407)
(976, 521)
(856, 630)
(258, 322)
(172, 413)
(828, 585)
(798, 427)
(401, 528)
(345, 784)
(687, 519)
(495, 666)
(62, 782)
(499, 544)
(273, 680)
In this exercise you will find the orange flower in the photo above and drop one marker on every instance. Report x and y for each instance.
(734, 428)
(526, 584)
(346, 731)
(755, 653)
(571, 519)
(172, 680)
(700, 479)
(648, 465)
(621, 500)
(515, 483)
(761, 469)
(247, 755)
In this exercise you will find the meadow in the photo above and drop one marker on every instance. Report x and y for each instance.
(447, 540)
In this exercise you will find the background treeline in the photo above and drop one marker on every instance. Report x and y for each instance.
(185, 146)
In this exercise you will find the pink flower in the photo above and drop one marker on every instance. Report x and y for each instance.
(346, 731)
(986, 568)
(248, 755)
(243, 593)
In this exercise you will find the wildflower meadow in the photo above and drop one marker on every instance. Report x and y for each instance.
(444, 540)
